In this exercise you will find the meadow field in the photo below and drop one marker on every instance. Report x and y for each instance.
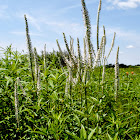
(67, 95)
(45, 109)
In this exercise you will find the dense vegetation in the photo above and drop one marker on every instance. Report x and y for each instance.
(55, 114)
(64, 96)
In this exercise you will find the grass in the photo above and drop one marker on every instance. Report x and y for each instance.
(60, 96)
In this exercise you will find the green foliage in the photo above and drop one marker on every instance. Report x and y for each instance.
(58, 96)
(54, 115)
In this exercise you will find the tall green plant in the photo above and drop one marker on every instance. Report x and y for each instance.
(29, 46)
(117, 74)
(98, 17)
(88, 31)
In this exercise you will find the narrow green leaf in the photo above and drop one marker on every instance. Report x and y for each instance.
(83, 133)
(109, 137)
(79, 112)
(91, 133)
(73, 135)
(116, 136)
(39, 132)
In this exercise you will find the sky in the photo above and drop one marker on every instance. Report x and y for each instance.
(48, 19)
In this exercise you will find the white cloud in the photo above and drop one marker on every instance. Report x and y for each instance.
(124, 4)
(130, 46)
(24, 33)
(75, 5)
(70, 28)
(33, 21)
(57, 26)
(3, 13)
(128, 4)
(71, 7)
(79, 5)
(110, 7)
(121, 52)
(123, 34)
(73, 29)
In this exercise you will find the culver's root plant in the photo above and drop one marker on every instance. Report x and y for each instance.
(117, 74)
(88, 31)
(29, 46)
(16, 105)
(44, 57)
(57, 96)
(94, 59)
